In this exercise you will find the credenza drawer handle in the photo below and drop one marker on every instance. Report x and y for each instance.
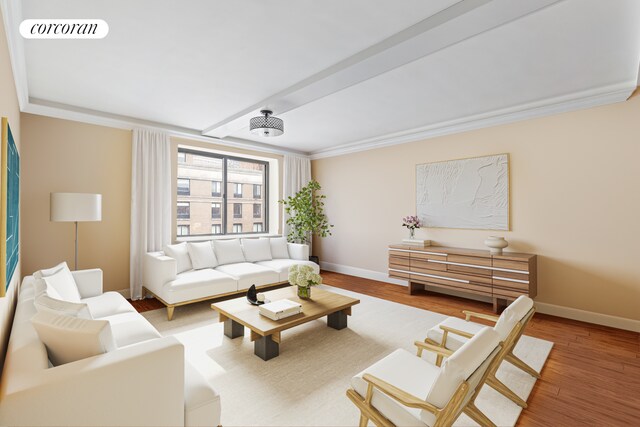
(433, 276)
(478, 266)
(418, 252)
(508, 279)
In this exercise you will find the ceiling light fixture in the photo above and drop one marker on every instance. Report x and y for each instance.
(266, 125)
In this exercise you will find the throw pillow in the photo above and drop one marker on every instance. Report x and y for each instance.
(45, 272)
(279, 248)
(64, 284)
(256, 250)
(68, 339)
(40, 287)
(228, 251)
(56, 306)
(202, 255)
(180, 253)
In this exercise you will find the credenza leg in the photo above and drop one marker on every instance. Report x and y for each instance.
(413, 287)
(499, 304)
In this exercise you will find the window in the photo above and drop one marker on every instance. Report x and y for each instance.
(237, 190)
(216, 187)
(211, 190)
(184, 187)
(215, 211)
(183, 230)
(257, 227)
(184, 210)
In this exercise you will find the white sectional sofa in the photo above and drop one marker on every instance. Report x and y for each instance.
(140, 379)
(189, 272)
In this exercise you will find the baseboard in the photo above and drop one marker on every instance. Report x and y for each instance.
(541, 307)
(360, 272)
(125, 293)
(589, 316)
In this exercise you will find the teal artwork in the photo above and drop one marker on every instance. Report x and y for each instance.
(10, 202)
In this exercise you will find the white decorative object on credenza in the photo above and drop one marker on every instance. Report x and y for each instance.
(417, 242)
(496, 244)
(469, 193)
(75, 207)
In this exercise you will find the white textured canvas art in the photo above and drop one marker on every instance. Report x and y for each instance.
(469, 193)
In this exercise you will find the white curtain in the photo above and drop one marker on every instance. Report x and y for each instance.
(150, 200)
(297, 174)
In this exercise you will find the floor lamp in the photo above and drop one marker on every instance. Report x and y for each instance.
(75, 207)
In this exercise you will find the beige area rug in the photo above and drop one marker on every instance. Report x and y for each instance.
(306, 384)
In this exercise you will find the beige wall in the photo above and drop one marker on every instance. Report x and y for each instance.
(8, 108)
(66, 156)
(575, 201)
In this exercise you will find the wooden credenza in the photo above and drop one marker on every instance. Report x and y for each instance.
(502, 277)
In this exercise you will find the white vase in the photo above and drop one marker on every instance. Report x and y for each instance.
(496, 244)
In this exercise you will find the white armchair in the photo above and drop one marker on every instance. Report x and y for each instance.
(452, 333)
(403, 389)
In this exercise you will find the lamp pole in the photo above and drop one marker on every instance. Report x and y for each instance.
(76, 256)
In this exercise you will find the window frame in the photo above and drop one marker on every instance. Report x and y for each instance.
(183, 225)
(188, 205)
(188, 193)
(237, 195)
(225, 197)
(219, 193)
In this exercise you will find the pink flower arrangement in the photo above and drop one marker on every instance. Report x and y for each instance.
(411, 222)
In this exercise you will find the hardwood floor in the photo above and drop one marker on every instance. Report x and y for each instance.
(592, 376)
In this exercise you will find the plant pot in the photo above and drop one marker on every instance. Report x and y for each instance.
(315, 259)
(304, 292)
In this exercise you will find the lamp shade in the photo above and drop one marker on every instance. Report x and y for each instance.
(71, 207)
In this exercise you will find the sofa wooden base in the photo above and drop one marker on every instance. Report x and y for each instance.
(171, 307)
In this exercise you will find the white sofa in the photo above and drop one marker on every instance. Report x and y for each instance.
(191, 272)
(143, 381)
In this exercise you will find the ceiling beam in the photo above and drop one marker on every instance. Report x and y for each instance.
(459, 22)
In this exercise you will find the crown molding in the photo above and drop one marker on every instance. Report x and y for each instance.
(576, 101)
(12, 15)
(84, 115)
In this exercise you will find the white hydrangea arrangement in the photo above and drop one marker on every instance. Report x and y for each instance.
(303, 276)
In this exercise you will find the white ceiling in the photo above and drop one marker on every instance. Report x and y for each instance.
(343, 75)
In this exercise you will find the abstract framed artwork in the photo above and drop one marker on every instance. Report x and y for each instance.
(9, 206)
(468, 193)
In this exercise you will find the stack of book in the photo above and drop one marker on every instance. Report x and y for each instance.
(280, 309)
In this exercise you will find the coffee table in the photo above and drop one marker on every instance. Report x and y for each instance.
(265, 333)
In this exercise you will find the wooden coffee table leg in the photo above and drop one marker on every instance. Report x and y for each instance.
(233, 329)
(337, 320)
(266, 348)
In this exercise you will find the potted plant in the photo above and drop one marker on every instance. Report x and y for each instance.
(306, 215)
(304, 278)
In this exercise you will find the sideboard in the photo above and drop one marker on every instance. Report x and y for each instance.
(502, 277)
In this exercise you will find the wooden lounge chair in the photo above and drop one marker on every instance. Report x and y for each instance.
(403, 389)
(453, 333)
